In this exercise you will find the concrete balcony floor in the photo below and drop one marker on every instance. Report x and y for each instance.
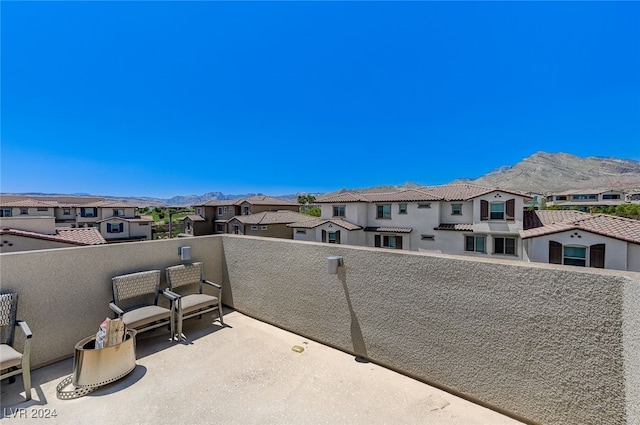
(244, 373)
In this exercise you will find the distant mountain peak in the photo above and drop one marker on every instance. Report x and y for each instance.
(553, 172)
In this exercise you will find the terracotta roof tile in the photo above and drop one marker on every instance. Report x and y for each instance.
(310, 224)
(465, 192)
(128, 219)
(342, 198)
(553, 221)
(80, 236)
(30, 203)
(272, 217)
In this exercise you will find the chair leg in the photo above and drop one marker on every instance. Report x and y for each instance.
(220, 314)
(26, 377)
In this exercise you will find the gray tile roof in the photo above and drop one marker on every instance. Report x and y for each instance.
(545, 222)
(388, 229)
(459, 227)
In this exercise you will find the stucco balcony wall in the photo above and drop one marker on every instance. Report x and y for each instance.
(554, 345)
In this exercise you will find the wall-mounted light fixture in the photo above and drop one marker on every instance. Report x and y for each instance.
(333, 263)
(185, 253)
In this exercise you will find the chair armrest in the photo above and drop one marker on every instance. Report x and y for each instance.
(25, 328)
(211, 283)
(116, 309)
(170, 294)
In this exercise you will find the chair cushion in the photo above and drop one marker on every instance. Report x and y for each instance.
(9, 357)
(144, 315)
(197, 301)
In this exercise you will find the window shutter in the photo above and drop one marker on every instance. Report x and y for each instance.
(511, 209)
(121, 227)
(377, 240)
(484, 210)
(597, 255)
(398, 242)
(108, 227)
(82, 212)
(337, 236)
(555, 253)
(324, 236)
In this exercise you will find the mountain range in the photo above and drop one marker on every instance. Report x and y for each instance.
(541, 172)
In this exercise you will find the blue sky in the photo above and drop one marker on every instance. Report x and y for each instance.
(176, 98)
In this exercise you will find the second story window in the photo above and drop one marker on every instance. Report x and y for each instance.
(5, 212)
(24, 211)
(43, 209)
(456, 209)
(88, 212)
(115, 228)
(402, 208)
(383, 211)
(118, 213)
(199, 211)
(219, 210)
(246, 211)
(496, 211)
(339, 211)
(66, 211)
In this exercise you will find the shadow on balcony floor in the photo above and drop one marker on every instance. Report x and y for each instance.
(245, 373)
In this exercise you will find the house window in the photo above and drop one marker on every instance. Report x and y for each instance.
(474, 243)
(424, 206)
(402, 208)
(574, 255)
(219, 210)
(456, 209)
(224, 209)
(497, 211)
(611, 196)
(561, 198)
(339, 210)
(263, 227)
(384, 211)
(386, 241)
(5, 212)
(301, 232)
(43, 209)
(584, 197)
(427, 237)
(247, 211)
(115, 228)
(88, 212)
(504, 246)
(254, 227)
(332, 237)
(118, 213)
(66, 211)
(220, 228)
(24, 211)
(199, 211)
(236, 229)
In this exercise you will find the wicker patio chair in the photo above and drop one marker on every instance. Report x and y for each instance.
(12, 362)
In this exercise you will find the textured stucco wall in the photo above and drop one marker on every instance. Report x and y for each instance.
(64, 293)
(540, 341)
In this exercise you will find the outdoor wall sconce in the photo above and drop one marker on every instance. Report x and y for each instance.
(185, 253)
(333, 263)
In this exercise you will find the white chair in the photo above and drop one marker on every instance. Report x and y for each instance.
(12, 362)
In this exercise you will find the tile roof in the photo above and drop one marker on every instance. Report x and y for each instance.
(389, 229)
(465, 192)
(30, 203)
(273, 217)
(460, 227)
(194, 217)
(79, 236)
(310, 224)
(547, 222)
(128, 219)
(254, 200)
(450, 192)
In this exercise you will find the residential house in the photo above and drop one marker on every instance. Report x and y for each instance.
(583, 199)
(580, 239)
(116, 221)
(267, 223)
(215, 215)
(454, 219)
